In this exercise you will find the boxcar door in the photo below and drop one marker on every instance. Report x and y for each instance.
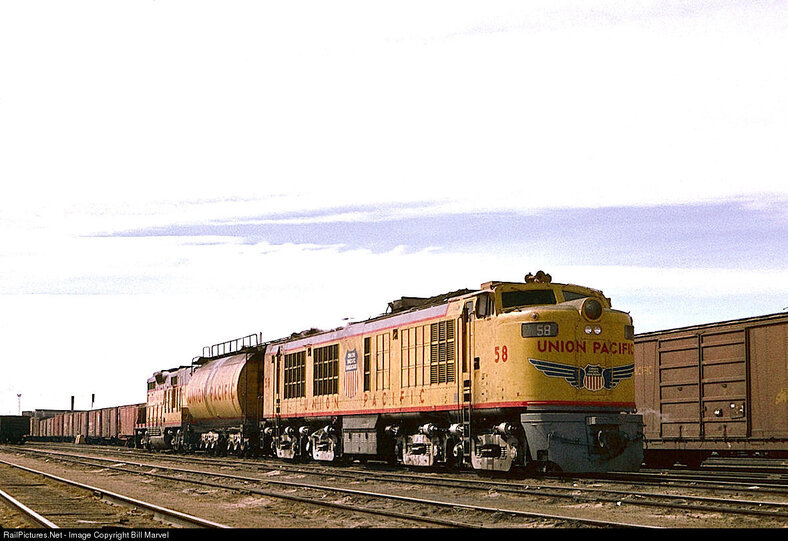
(723, 384)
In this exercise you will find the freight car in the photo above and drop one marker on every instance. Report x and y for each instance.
(129, 418)
(14, 428)
(74, 424)
(714, 388)
(513, 374)
(37, 418)
(106, 425)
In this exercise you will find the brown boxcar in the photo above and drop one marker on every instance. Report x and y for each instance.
(94, 425)
(70, 425)
(128, 417)
(109, 424)
(42, 422)
(57, 427)
(35, 429)
(82, 424)
(719, 387)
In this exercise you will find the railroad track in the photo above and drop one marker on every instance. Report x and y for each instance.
(755, 482)
(49, 501)
(419, 509)
(773, 510)
(752, 484)
(729, 505)
(765, 465)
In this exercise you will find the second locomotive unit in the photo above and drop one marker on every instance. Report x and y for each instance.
(533, 373)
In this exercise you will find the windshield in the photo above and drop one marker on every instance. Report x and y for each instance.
(533, 297)
(572, 296)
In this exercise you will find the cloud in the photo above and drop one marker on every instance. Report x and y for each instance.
(607, 105)
(721, 234)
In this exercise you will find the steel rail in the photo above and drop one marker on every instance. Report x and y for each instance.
(247, 490)
(571, 492)
(768, 484)
(643, 499)
(712, 480)
(752, 484)
(387, 496)
(647, 499)
(608, 495)
(41, 521)
(176, 518)
(732, 475)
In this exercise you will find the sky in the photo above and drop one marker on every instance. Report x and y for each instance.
(180, 173)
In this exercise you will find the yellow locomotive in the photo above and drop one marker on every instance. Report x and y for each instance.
(510, 374)
(532, 373)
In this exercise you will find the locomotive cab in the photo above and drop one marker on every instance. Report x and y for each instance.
(166, 411)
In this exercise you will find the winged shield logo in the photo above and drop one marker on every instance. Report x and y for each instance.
(593, 377)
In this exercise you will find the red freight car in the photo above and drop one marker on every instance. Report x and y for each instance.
(42, 423)
(82, 424)
(714, 388)
(128, 418)
(74, 424)
(94, 426)
(35, 427)
(109, 425)
(57, 427)
(68, 426)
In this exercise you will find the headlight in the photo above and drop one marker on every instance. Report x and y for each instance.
(592, 309)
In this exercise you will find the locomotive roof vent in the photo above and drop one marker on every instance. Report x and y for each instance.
(406, 303)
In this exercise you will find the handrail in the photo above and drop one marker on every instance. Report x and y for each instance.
(230, 346)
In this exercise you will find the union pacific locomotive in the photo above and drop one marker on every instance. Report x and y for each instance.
(515, 374)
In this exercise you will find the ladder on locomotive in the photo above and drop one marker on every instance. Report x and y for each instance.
(465, 419)
(465, 402)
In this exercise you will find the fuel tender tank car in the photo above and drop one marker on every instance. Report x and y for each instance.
(514, 374)
(211, 405)
(714, 388)
(223, 401)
